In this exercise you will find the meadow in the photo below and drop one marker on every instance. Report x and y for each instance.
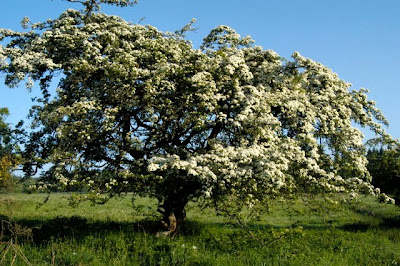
(123, 232)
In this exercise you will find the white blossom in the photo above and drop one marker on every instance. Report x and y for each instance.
(144, 110)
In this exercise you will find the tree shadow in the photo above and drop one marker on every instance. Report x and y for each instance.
(380, 221)
(385, 223)
(77, 228)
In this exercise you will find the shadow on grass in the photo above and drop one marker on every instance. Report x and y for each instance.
(378, 221)
(358, 226)
(79, 227)
(43, 231)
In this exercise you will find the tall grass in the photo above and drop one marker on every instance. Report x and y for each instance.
(117, 233)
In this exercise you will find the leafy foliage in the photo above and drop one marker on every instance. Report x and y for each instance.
(5, 133)
(8, 148)
(141, 110)
(384, 167)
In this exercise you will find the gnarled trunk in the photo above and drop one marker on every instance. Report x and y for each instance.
(173, 211)
(176, 193)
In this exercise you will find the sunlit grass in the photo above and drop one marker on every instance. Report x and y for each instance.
(367, 233)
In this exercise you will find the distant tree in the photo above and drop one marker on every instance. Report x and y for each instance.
(140, 110)
(384, 167)
(8, 158)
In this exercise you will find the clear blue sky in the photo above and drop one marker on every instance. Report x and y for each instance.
(358, 39)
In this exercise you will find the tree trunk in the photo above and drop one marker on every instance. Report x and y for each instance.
(173, 211)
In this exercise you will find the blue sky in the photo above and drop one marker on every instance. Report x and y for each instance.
(358, 39)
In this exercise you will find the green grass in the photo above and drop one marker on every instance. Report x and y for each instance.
(115, 233)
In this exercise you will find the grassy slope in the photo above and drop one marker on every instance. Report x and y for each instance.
(117, 234)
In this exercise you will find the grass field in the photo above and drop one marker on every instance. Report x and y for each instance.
(116, 233)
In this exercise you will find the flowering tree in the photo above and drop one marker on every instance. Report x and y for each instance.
(141, 110)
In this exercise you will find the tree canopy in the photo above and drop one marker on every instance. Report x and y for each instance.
(384, 167)
(141, 110)
(8, 149)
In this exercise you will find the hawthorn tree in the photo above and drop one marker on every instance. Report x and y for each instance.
(140, 110)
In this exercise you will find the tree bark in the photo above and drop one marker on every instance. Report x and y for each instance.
(174, 213)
